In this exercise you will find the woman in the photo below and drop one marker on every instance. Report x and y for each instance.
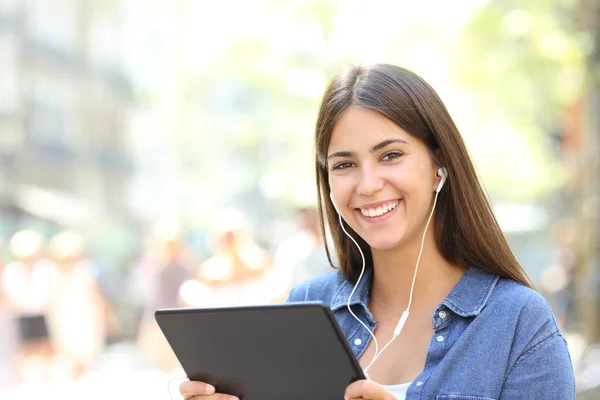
(27, 286)
(77, 312)
(439, 286)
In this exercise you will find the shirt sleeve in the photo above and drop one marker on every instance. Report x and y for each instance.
(295, 295)
(544, 372)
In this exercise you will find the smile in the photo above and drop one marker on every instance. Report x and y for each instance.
(379, 211)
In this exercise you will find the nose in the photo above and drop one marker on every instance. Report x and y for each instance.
(370, 182)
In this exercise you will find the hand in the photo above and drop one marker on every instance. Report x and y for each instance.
(192, 390)
(367, 389)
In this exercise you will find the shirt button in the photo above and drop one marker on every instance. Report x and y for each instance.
(357, 342)
(419, 383)
(442, 314)
(440, 338)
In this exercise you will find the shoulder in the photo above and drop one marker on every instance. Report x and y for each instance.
(538, 358)
(522, 303)
(525, 314)
(323, 287)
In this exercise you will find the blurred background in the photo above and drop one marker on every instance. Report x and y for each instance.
(158, 153)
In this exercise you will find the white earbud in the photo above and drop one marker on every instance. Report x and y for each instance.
(442, 173)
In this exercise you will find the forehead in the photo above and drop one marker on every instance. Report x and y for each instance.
(358, 127)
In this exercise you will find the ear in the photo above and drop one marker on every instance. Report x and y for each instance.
(435, 155)
(443, 175)
(436, 177)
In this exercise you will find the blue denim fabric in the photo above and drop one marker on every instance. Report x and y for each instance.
(493, 338)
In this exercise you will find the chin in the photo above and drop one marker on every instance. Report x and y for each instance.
(384, 244)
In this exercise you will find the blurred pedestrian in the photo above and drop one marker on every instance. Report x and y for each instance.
(78, 310)
(8, 333)
(304, 254)
(28, 283)
(240, 271)
(161, 271)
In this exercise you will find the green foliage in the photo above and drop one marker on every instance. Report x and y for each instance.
(250, 76)
(524, 63)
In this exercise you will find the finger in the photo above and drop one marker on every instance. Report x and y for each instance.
(356, 389)
(366, 389)
(193, 388)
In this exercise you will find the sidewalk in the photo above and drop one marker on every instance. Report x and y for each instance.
(120, 375)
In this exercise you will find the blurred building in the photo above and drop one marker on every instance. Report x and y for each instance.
(63, 110)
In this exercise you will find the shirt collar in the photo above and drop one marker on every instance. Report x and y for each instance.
(468, 297)
(360, 296)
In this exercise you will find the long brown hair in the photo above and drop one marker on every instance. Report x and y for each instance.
(466, 230)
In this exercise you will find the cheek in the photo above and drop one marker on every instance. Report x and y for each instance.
(341, 187)
(411, 180)
(418, 205)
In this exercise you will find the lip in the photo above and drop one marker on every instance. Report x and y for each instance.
(381, 218)
(379, 203)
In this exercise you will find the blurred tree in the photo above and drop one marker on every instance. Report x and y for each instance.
(249, 103)
(585, 184)
(238, 92)
(535, 66)
(525, 62)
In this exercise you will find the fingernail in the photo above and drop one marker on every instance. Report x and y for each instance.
(209, 389)
(233, 398)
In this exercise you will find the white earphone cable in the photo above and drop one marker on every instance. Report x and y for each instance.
(421, 250)
(356, 285)
(405, 314)
(169, 384)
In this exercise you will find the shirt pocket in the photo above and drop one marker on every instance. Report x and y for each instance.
(460, 397)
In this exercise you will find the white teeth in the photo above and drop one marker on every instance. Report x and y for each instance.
(379, 211)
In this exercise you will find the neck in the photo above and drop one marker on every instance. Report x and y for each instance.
(393, 272)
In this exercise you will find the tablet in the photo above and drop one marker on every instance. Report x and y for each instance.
(271, 352)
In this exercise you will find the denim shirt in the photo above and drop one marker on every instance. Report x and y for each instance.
(494, 338)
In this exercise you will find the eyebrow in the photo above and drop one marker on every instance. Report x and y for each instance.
(373, 149)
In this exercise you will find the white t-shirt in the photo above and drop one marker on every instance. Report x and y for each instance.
(28, 288)
(399, 391)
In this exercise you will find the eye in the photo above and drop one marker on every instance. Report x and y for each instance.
(392, 155)
(341, 165)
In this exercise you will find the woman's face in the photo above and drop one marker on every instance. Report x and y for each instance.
(382, 179)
